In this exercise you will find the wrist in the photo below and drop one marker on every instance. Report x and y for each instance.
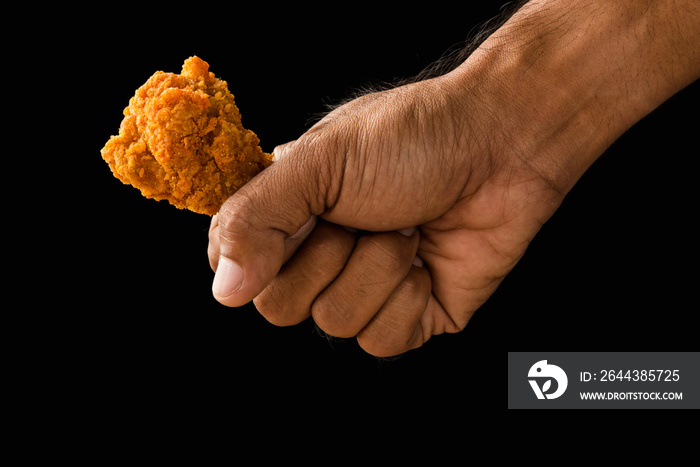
(564, 80)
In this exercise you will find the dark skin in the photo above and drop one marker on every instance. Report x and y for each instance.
(447, 179)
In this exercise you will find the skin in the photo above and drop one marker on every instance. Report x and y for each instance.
(397, 216)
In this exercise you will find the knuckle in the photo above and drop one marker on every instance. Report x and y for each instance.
(277, 309)
(387, 341)
(213, 254)
(415, 288)
(383, 338)
(380, 345)
(333, 317)
(214, 235)
(397, 329)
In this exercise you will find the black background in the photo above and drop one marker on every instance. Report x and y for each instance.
(133, 315)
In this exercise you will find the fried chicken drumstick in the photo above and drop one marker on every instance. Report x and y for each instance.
(182, 140)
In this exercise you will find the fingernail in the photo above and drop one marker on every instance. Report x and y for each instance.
(228, 278)
(279, 151)
(407, 232)
(418, 262)
(305, 229)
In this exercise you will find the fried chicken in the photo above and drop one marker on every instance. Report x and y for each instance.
(182, 140)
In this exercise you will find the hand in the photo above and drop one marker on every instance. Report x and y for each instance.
(393, 160)
(477, 160)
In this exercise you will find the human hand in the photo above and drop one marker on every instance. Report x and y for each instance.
(387, 161)
(477, 159)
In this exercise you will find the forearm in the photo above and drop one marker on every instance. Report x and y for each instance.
(569, 77)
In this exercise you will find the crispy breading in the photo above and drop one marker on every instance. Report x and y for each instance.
(182, 140)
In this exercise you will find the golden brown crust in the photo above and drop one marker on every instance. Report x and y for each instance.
(182, 140)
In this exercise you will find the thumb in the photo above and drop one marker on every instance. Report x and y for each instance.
(263, 223)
